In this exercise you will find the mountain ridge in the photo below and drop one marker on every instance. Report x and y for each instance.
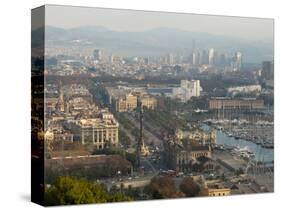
(160, 41)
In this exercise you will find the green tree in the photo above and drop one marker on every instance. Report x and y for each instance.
(162, 187)
(69, 190)
(189, 187)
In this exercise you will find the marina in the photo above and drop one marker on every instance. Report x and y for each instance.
(243, 147)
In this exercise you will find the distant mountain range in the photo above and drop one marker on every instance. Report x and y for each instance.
(158, 41)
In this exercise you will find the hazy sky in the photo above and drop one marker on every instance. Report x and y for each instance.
(130, 20)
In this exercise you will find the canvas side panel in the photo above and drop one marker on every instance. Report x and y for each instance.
(37, 104)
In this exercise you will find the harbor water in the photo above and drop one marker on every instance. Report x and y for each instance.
(261, 154)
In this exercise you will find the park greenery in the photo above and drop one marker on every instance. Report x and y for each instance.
(69, 190)
(162, 187)
(189, 187)
(165, 187)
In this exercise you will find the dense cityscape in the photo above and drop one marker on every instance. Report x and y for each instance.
(198, 123)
